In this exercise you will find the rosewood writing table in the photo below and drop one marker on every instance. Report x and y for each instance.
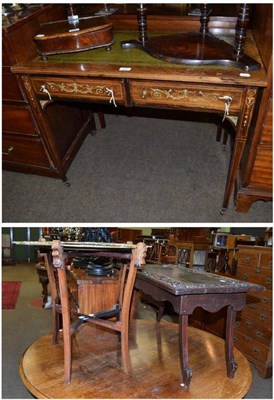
(187, 289)
(128, 77)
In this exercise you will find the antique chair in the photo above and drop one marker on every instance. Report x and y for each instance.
(116, 319)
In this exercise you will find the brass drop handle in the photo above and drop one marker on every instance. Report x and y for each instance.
(227, 101)
(110, 93)
(265, 299)
(144, 94)
(9, 151)
(43, 89)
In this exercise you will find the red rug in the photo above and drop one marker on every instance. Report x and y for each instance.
(36, 303)
(10, 292)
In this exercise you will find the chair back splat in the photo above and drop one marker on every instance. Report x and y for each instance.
(116, 318)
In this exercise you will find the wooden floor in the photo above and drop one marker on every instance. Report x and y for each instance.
(155, 366)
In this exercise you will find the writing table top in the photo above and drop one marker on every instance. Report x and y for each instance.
(180, 280)
(136, 64)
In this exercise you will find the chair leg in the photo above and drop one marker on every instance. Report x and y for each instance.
(67, 352)
(126, 364)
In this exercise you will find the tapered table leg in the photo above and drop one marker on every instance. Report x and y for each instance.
(186, 371)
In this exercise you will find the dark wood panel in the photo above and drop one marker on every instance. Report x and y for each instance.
(19, 36)
(18, 119)
(10, 88)
(67, 122)
(267, 135)
(262, 28)
(262, 171)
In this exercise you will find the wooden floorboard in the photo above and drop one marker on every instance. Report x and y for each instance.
(97, 373)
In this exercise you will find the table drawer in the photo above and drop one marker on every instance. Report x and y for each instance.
(255, 331)
(256, 350)
(183, 95)
(263, 298)
(16, 119)
(24, 150)
(266, 261)
(106, 90)
(257, 313)
(249, 259)
(255, 275)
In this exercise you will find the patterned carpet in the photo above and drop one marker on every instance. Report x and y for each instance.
(10, 292)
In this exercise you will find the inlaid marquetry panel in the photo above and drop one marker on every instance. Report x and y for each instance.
(89, 89)
(183, 95)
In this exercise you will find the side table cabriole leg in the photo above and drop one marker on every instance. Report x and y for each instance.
(231, 365)
(183, 343)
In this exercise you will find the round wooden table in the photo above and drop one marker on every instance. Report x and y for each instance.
(156, 372)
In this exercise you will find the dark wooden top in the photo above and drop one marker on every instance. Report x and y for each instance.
(181, 281)
(101, 63)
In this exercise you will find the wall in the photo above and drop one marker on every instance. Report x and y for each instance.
(23, 253)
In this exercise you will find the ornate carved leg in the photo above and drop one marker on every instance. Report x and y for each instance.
(240, 141)
(186, 371)
(231, 365)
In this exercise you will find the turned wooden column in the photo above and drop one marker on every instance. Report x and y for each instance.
(142, 23)
(241, 28)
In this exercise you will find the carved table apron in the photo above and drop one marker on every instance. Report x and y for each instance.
(187, 289)
(134, 79)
